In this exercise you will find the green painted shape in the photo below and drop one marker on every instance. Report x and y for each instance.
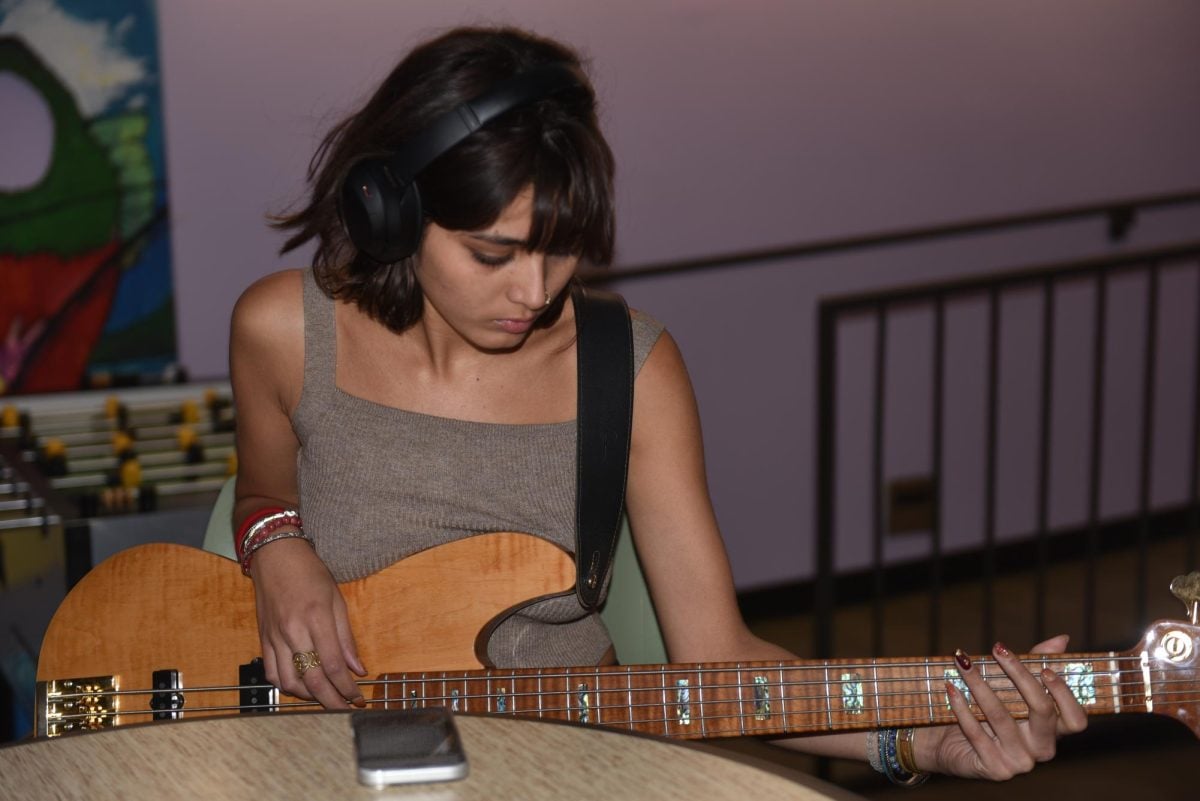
(124, 137)
(76, 206)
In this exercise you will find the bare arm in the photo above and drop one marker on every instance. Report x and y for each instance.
(690, 581)
(299, 605)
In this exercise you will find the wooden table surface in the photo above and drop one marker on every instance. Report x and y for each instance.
(310, 757)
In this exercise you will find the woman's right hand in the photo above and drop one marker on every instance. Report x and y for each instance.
(301, 609)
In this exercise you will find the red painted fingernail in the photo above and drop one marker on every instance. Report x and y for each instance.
(1000, 649)
(964, 661)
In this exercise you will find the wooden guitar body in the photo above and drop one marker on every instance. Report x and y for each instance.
(170, 607)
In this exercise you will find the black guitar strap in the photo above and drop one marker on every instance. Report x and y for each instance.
(604, 422)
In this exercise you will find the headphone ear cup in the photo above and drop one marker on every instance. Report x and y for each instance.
(409, 223)
(383, 218)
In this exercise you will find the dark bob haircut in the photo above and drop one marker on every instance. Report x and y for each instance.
(553, 145)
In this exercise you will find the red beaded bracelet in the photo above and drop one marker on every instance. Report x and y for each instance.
(239, 538)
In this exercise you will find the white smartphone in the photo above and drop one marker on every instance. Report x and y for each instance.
(402, 746)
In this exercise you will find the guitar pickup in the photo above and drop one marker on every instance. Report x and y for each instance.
(166, 700)
(254, 693)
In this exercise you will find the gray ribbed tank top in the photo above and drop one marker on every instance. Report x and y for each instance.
(379, 483)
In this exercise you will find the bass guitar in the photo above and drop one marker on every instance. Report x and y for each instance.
(163, 632)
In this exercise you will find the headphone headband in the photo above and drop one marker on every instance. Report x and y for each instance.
(380, 202)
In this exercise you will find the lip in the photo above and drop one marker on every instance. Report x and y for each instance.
(516, 326)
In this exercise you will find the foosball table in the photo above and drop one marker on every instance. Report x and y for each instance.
(84, 475)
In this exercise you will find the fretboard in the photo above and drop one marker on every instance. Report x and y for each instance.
(763, 698)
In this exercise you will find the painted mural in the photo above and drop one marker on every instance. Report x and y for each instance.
(85, 275)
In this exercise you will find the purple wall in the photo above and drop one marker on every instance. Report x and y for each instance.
(735, 126)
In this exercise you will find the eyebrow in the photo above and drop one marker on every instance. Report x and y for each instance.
(497, 239)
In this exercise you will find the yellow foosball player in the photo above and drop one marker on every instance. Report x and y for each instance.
(53, 458)
(190, 445)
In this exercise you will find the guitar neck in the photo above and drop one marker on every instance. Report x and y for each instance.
(777, 697)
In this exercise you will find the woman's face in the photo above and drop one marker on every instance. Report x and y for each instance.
(485, 285)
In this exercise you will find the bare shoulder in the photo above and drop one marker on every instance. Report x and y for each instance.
(266, 342)
(273, 304)
(664, 370)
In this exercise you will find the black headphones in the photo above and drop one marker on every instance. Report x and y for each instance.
(380, 204)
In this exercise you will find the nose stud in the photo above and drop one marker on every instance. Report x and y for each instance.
(547, 303)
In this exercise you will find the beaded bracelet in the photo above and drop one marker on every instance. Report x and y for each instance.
(263, 527)
(873, 751)
(239, 538)
(267, 539)
(271, 517)
(889, 758)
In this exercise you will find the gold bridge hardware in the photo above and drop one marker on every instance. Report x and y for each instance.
(73, 705)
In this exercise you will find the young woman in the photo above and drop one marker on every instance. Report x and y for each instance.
(400, 401)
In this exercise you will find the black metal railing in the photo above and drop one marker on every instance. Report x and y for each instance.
(1035, 550)
(1120, 216)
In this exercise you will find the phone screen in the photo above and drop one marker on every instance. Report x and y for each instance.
(407, 745)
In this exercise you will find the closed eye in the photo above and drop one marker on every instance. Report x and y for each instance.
(491, 260)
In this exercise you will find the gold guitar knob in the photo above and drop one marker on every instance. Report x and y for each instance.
(1187, 589)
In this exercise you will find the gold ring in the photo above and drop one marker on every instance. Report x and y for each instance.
(303, 660)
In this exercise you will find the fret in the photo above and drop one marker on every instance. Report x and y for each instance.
(783, 698)
(629, 697)
(700, 701)
(828, 704)
(929, 692)
(613, 684)
(720, 703)
(645, 700)
(796, 686)
(1114, 673)
(450, 696)
(418, 693)
(741, 708)
(610, 693)
(875, 681)
(477, 691)
(524, 692)
(666, 714)
(539, 693)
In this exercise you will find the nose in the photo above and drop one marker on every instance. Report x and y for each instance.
(528, 285)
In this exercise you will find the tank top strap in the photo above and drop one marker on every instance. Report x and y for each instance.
(320, 340)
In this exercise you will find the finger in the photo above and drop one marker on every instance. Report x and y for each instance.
(998, 716)
(338, 681)
(345, 634)
(1055, 645)
(1042, 731)
(290, 680)
(1071, 718)
(270, 667)
(317, 683)
(985, 748)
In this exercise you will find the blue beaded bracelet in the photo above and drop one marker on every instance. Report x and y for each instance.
(889, 759)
